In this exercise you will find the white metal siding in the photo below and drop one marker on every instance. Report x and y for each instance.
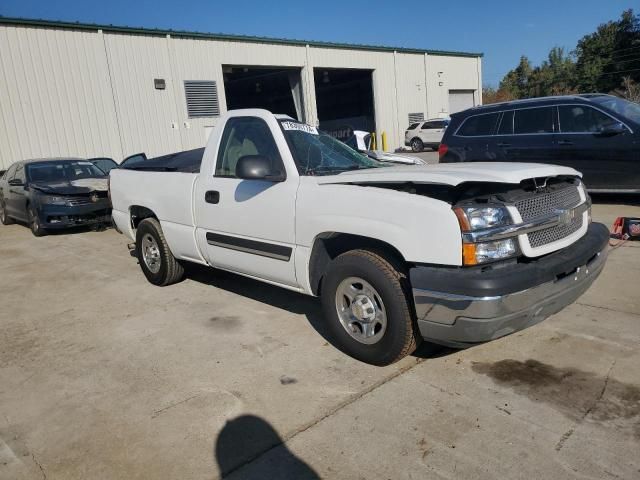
(91, 93)
(55, 96)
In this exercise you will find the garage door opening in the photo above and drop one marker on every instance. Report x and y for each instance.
(460, 100)
(276, 89)
(344, 99)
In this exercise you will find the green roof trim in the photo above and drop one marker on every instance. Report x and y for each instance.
(31, 22)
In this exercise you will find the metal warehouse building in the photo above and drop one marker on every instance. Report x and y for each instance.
(97, 90)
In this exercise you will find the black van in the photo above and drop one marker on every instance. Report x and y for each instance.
(597, 134)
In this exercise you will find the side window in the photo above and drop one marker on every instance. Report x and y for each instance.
(413, 126)
(245, 136)
(533, 120)
(582, 119)
(10, 172)
(430, 125)
(506, 125)
(19, 173)
(479, 125)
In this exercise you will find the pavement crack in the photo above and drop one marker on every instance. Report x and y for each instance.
(607, 308)
(162, 410)
(566, 435)
(352, 399)
(604, 389)
(35, 460)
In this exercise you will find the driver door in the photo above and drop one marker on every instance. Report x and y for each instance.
(247, 226)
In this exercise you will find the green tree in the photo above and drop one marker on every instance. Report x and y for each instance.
(610, 53)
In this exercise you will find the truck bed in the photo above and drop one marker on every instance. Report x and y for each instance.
(187, 161)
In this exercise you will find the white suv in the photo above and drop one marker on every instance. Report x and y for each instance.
(425, 134)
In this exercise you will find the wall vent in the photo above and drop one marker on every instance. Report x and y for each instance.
(416, 117)
(202, 98)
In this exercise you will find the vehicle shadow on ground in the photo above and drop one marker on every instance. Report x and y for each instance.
(290, 301)
(615, 199)
(70, 230)
(244, 439)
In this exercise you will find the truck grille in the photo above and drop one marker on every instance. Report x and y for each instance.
(543, 204)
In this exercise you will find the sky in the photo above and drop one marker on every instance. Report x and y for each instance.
(502, 30)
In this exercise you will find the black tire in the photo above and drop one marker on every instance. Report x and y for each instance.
(169, 271)
(417, 145)
(34, 223)
(401, 336)
(3, 215)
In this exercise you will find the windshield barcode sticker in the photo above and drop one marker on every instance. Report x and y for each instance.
(300, 127)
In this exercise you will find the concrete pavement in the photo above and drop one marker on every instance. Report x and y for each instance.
(104, 376)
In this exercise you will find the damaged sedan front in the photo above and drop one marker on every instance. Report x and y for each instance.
(53, 194)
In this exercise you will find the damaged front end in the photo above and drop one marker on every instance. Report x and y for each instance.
(71, 207)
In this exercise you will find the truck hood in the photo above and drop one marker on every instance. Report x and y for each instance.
(450, 173)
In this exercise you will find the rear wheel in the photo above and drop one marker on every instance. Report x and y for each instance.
(366, 302)
(156, 260)
(34, 223)
(417, 145)
(6, 220)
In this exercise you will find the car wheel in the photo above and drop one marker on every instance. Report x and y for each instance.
(3, 215)
(156, 260)
(365, 299)
(34, 223)
(417, 145)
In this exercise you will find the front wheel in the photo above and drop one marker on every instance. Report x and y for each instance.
(6, 220)
(417, 145)
(156, 260)
(34, 223)
(366, 302)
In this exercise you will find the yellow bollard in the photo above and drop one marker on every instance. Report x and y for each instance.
(374, 143)
(384, 141)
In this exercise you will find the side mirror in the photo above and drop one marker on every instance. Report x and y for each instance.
(257, 167)
(611, 130)
(14, 182)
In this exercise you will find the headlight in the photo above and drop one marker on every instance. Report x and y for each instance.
(476, 253)
(477, 218)
(473, 218)
(53, 200)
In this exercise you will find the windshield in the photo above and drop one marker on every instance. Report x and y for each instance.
(625, 108)
(62, 171)
(317, 153)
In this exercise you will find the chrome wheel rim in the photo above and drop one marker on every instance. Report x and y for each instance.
(415, 145)
(2, 212)
(361, 311)
(151, 253)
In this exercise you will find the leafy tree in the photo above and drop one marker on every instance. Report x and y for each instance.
(603, 61)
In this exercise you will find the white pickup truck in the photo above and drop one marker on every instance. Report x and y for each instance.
(456, 254)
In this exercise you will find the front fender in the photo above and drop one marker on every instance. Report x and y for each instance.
(422, 229)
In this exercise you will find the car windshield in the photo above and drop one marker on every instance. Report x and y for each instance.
(630, 110)
(317, 153)
(62, 171)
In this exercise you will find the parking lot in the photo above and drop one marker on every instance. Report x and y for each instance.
(104, 376)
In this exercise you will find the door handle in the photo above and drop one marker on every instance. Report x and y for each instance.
(564, 142)
(212, 196)
(503, 144)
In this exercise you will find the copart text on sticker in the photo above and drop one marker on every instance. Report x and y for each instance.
(300, 126)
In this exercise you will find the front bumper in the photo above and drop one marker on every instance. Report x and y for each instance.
(60, 216)
(460, 306)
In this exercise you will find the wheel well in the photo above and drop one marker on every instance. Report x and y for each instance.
(139, 213)
(328, 246)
